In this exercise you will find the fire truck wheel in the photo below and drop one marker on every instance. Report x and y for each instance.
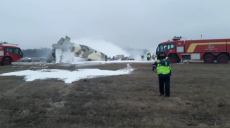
(173, 59)
(222, 58)
(208, 58)
(6, 61)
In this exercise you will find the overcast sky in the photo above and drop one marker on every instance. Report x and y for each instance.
(127, 23)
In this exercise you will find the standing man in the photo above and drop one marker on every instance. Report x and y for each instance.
(153, 56)
(142, 57)
(163, 67)
(148, 56)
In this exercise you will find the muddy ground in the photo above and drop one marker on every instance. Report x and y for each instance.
(199, 98)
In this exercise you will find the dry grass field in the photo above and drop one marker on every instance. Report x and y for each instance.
(199, 98)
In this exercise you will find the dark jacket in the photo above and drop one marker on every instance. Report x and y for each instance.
(162, 61)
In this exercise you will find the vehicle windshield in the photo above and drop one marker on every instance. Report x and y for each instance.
(164, 47)
(14, 50)
(20, 52)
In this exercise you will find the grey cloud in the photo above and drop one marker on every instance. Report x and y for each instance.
(127, 23)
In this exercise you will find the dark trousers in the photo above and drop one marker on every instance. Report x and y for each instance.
(164, 85)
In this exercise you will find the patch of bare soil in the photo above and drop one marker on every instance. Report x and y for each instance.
(199, 98)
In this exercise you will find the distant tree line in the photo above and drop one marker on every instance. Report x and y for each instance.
(42, 52)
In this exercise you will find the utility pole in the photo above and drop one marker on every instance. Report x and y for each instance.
(201, 36)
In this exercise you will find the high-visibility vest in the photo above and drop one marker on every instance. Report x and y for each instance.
(161, 69)
(148, 55)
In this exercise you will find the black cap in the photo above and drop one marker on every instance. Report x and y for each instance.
(161, 55)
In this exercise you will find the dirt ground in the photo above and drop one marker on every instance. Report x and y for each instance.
(199, 98)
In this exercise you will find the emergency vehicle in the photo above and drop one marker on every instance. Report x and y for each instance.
(208, 50)
(9, 53)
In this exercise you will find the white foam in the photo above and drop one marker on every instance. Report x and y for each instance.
(107, 48)
(66, 75)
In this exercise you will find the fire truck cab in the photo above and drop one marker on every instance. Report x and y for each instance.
(9, 53)
(208, 50)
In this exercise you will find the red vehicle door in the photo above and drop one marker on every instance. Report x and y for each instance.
(1, 53)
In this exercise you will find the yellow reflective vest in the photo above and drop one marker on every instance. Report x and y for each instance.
(161, 69)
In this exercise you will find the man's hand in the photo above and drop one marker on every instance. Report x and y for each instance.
(164, 63)
(154, 67)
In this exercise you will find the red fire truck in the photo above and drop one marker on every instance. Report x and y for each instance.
(9, 53)
(208, 50)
